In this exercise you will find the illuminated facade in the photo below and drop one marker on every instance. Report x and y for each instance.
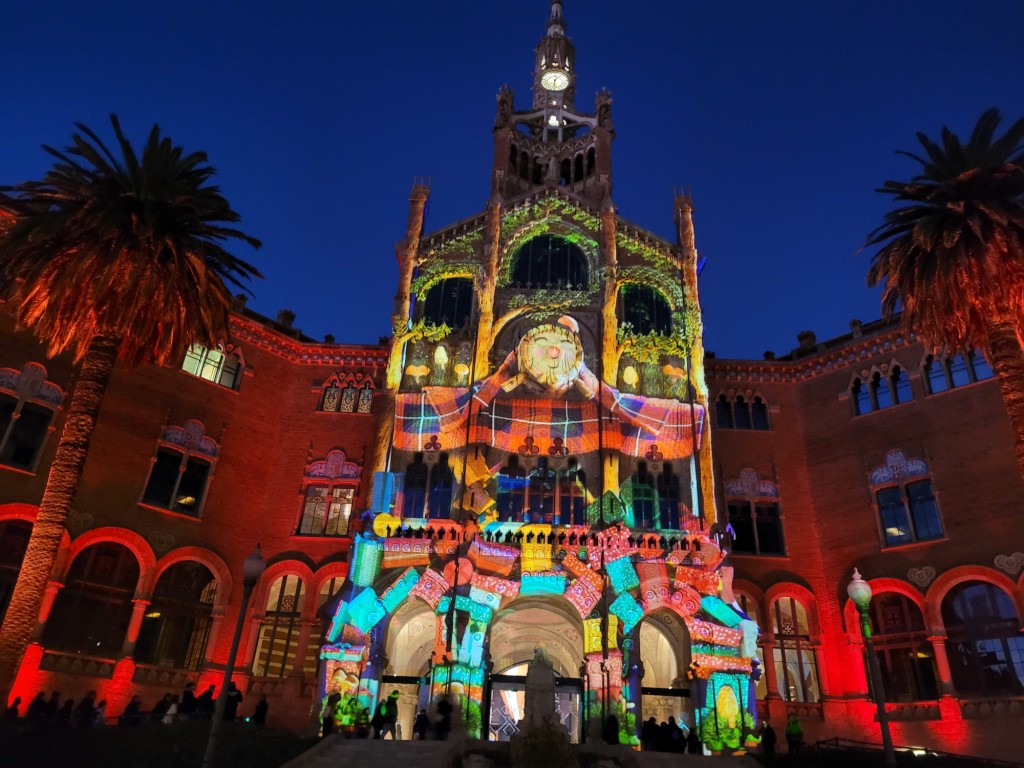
(542, 452)
(529, 463)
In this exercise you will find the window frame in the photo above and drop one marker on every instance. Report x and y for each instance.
(752, 505)
(799, 646)
(8, 434)
(202, 360)
(940, 366)
(1002, 633)
(89, 605)
(287, 624)
(334, 496)
(172, 609)
(866, 393)
(744, 411)
(893, 647)
(910, 519)
(193, 444)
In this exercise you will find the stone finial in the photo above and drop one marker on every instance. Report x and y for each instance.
(856, 328)
(285, 318)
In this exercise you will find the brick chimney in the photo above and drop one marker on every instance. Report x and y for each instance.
(807, 339)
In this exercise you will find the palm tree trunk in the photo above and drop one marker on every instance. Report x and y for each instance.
(50, 524)
(1008, 363)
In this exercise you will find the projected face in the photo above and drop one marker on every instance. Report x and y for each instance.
(551, 355)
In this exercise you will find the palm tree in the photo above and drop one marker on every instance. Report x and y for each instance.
(109, 259)
(952, 256)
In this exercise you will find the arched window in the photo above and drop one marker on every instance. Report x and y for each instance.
(512, 486)
(644, 309)
(13, 541)
(759, 414)
(328, 592)
(943, 373)
(881, 394)
(860, 396)
(442, 488)
(572, 501)
(903, 649)
(590, 161)
(985, 646)
(177, 623)
(723, 413)
(668, 499)
(543, 484)
(565, 173)
(795, 667)
(899, 382)
(414, 498)
(450, 302)
(645, 501)
(741, 413)
(279, 631)
(365, 399)
(549, 261)
(578, 167)
(214, 365)
(91, 613)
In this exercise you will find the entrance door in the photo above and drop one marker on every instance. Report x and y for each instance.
(413, 694)
(662, 703)
(506, 694)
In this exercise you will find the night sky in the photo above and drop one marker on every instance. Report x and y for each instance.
(782, 118)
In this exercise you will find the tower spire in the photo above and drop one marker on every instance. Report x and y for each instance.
(554, 75)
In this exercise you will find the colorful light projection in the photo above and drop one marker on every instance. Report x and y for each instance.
(613, 575)
(632, 584)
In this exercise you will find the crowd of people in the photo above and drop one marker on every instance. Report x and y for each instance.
(49, 711)
(668, 736)
(339, 716)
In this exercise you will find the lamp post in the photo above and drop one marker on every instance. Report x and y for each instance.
(860, 593)
(252, 569)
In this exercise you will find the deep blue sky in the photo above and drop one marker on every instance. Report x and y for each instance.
(781, 117)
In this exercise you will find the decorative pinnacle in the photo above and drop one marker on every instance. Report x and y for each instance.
(556, 22)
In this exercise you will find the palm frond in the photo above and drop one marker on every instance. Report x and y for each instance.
(129, 246)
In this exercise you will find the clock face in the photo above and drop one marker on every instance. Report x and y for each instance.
(554, 80)
(551, 355)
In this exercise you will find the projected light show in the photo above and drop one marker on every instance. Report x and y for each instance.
(542, 476)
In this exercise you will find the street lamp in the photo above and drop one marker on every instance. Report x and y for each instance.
(252, 569)
(860, 593)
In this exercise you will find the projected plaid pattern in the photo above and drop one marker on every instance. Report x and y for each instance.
(435, 419)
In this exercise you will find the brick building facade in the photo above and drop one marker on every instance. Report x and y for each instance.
(862, 451)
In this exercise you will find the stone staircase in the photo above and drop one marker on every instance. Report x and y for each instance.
(338, 752)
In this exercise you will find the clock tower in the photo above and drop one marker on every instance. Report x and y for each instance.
(551, 144)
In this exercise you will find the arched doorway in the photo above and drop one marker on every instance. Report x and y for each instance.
(665, 653)
(409, 648)
(527, 625)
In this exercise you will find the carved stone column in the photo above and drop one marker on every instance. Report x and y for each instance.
(942, 665)
(52, 588)
(134, 625)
